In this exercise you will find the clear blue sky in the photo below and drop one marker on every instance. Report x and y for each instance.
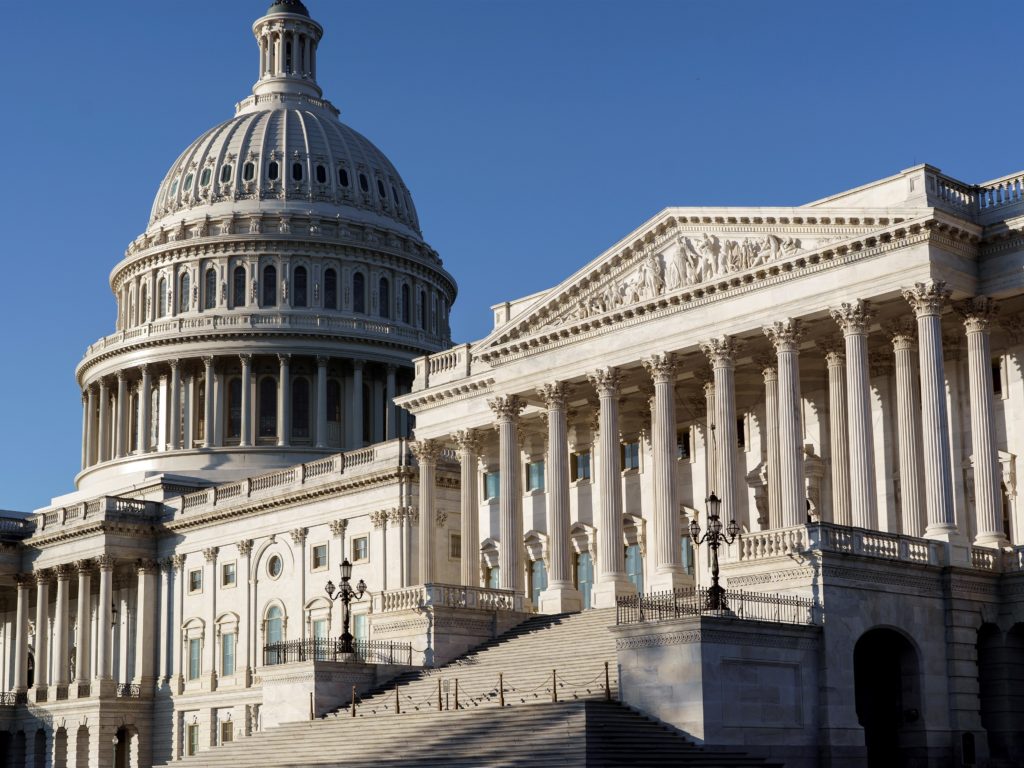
(533, 135)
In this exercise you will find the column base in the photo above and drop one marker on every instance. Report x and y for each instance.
(670, 581)
(560, 599)
(992, 539)
(606, 592)
(958, 548)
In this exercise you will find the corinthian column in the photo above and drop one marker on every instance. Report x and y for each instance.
(103, 448)
(426, 453)
(83, 632)
(60, 626)
(24, 583)
(927, 300)
(147, 623)
(785, 337)
(853, 319)
(104, 647)
(468, 443)
(42, 648)
(145, 405)
(90, 427)
(977, 314)
(908, 409)
(835, 361)
(510, 499)
(668, 563)
(284, 402)
(561, 596)
(771, 428)
(612, 580)
(721, 354)
(245, 433)
(174, 406)
(121, 429)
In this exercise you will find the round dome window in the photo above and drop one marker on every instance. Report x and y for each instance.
(275, 566)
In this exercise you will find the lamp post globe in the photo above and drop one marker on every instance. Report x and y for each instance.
(716, 600)
(346, 594)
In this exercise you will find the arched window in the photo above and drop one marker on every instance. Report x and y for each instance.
(269, 286)
(234, 415)
(423, 310)
(405, 303)
(225, 174)
(359, 293)
(210, 289)
(300, 408)
(188, 182)
(384, 288)
(204, 177)
(342, 178)
(380, 190)
(238, 288)
(268, 407)
(299, 299)
(248, 171)
(273, 633)
(330, 289)
(321, 175)
(183, 290)
(161, 292)
(272, 170)
(296, 171)
(364, 183)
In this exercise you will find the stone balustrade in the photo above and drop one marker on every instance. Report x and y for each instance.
(826, 537)
(102, 508)
(447, 596)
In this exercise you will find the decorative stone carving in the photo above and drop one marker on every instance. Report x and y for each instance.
(299, 535)
(784, 335)
(210, 553)
(506, 407)
(554, 394)
(338, 527)
(105, 562)
(379, 518)
(605, 381)
(977, 313)
(145, 565)
(721, 351)
(178, 561)
(853, 317)
(467, 441)
(927, 298)
(425, 450)
(244, 547)
(661, 367)
(442, 518)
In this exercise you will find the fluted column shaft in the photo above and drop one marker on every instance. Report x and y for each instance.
(103, 439)
(245, 433)
(853, 320)
(104, 655)
(284, 401)
(145, 406)
(988, 500)
(907, 410)
(174, 407)
(835, 361)
(510, 498)
(83, 634)
(21, 635)
(927, 301)
(147, 621)
(208, 427)
(770, 373)
(90, 427)
(321, 402)
(720, 353)
(390, 414)
(60, 626)
(42, 646)
(121, 430)
(426, 452)
(469, 506)
(792, 485)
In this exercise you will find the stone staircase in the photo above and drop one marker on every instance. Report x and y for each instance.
(580, 729)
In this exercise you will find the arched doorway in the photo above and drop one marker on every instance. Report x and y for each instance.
(82, 746)
(121, 748)
(6, 749)
(60, 748)
(1001, 689)
(39, 749)
(888, 697)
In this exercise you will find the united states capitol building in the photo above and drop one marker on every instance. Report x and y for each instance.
(280, 394)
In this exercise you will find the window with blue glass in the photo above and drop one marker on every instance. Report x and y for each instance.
(635, 566)
(492, 484)
(580, 466)
(584, 576)
(493, 577)
(683, 444)
(687, 554)
(195, 648)
(227, 654)
(538, 580)
(631, 455)
(535, 476)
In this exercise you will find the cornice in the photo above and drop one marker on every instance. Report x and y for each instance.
(464, 390)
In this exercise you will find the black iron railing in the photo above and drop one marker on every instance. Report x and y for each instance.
(129, 691)
(366, 652)
(683, 603)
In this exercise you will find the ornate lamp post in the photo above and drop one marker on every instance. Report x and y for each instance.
(714, 537)
(346, 594)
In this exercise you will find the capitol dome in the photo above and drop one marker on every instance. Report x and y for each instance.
(271, 309)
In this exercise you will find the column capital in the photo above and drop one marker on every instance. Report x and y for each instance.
(299, 535)
(105, 562)
(208, 362)
(121, 376)
(391, 369)
(143, 369)
(24, 580)
(467, 441)
(605, 381)
(174, 363)
(661, 367)
(784, 335)
(506, 407)
(425, 451)
(379, 518)
(554, 394)
(902, 333)
(244, 547)
(178, 561)
(284, 358)
(338, 527)
(85, 565)
(322, 361)
(102, 382)
(245, 358)
(721, 352)
(358, 364)
(835, 352)
(977, 313)
(146, 565)
(44, 576)
(210, 554)
(768, 365)
(64, 571)
(927, 298)
(853, 316)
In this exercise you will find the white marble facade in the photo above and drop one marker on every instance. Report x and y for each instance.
(850, 366)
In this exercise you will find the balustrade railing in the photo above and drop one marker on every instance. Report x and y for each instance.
(827, 537)
(737, 604)
(319, 649)
(129, 691)
(13, 698)
(448, 596)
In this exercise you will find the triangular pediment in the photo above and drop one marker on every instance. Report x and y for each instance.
(685, 250)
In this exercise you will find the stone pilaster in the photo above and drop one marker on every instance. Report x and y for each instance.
(104, 645)
(853, 319)
(83, 633)
(145, 409)
(785, 337)
(510, 498)
(146, 624)
(103, 437)
(208, 426)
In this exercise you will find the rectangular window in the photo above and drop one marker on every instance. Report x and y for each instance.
(195, 581)
(195, 648)
(535, 476)
(455, 546)
(319, 557)
(192, 739)
(631, 455)
(227, 733)
(361, 627)
(741, 433)
(360, 549)
(492, 485)
(320, 629)
(227, 654)
(683, 444)
(227, 575)
(580, 466)
(997, 376)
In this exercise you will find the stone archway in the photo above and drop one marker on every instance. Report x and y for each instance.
(39, 749)
(60, 748)
(1001, 689)
(82, 746)
(887, 683)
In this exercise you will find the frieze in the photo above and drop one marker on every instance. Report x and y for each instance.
(893, 578)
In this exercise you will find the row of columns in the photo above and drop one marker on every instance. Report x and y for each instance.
(107, 428)
(272, 54)
(62, 574)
